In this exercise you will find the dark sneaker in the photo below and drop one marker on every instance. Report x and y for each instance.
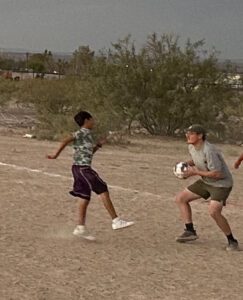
(233, 246)
(187, 236)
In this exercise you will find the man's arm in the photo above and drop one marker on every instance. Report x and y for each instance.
(190, 163)
(214, 166)
(238, 161)
(192, 171)
(64, 143)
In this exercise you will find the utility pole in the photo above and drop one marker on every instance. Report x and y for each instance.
(27, 61)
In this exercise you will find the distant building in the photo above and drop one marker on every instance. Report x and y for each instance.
(29, 75)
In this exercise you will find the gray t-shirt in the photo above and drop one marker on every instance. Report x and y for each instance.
(209, 158)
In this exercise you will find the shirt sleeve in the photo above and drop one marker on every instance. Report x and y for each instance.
(77, 135)
(74, 135)
(190, 152)
(214, 160)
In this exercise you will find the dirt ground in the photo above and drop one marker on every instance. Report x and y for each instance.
(41, 260)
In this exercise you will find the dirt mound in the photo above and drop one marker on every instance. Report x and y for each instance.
(17, 118)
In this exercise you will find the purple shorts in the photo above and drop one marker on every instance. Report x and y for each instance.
(85, 181)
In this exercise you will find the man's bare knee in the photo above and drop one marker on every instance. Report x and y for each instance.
(178, 198)
(214, 212)
(215, 209)
(181, 198)
(185, 197)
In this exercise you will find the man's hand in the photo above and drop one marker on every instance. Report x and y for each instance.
(51, 156)
(237, 164)
(191, 171)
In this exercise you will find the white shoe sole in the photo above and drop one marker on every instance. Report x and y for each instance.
(232, 250)
(86, 237)
(128, 225)
(181, 240)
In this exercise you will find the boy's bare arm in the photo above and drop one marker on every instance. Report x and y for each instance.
(99, 144)
(64, 143)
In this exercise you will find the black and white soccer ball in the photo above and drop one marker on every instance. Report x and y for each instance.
(179, 169)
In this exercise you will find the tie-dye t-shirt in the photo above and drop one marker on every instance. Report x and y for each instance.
(82, 147)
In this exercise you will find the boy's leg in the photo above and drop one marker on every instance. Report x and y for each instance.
(117, 223)
(183, 199)
(105, 197)
(82, 210)
(100, 188)
(82, 191)
(80, 229)
(215, 211)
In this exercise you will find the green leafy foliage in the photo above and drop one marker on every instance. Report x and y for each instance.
(8, 90)
(164, 87)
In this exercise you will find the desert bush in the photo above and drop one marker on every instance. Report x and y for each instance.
(56, 102)
(164, 87)
(8, 90)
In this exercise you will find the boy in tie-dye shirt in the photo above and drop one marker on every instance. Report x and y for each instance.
(86, 179)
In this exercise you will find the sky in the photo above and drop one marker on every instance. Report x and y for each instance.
(64, 25)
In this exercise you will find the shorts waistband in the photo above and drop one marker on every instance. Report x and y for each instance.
(82, 166)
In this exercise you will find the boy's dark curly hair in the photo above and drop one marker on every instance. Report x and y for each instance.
(80, 117)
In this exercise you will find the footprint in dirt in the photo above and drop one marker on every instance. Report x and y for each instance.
(60, 233)
(64, 233)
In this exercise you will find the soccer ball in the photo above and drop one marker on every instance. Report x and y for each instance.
(179, 169)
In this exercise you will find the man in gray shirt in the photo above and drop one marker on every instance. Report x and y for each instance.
(216, 183)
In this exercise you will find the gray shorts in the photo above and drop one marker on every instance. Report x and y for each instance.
(205, 191)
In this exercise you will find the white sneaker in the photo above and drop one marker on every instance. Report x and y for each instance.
(118, 223)
(81, 231)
